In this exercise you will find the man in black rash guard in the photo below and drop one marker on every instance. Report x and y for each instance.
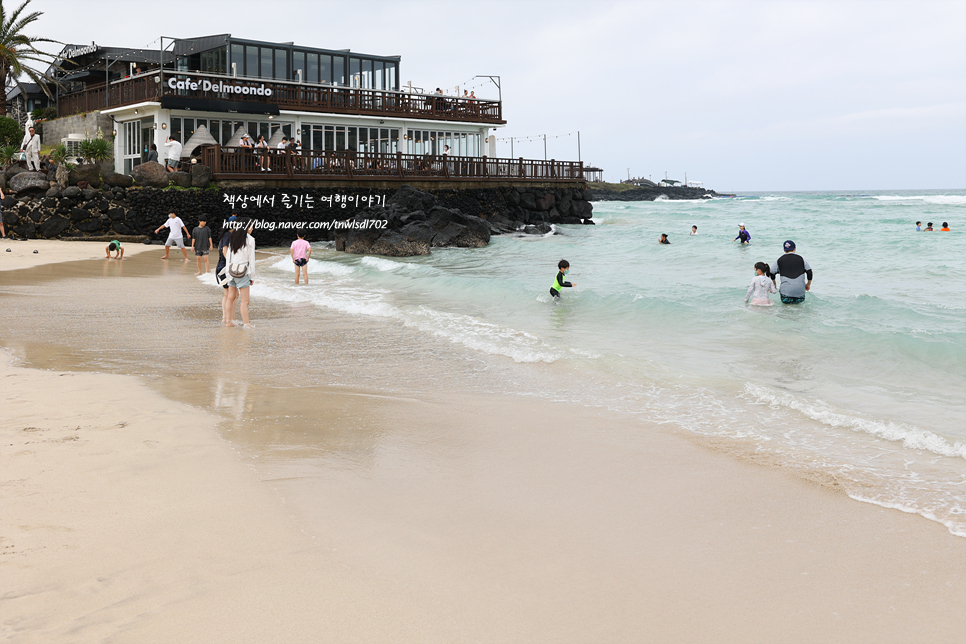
(794, 271)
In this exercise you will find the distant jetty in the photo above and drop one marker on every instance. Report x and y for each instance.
(603, 191)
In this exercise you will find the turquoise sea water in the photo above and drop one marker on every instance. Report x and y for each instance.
(863, 386)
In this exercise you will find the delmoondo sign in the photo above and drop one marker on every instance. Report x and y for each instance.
(217, 86)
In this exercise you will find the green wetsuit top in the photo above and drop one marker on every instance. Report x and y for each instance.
(114, 241)
(559, 283)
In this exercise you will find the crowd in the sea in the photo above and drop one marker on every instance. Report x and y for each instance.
(790, 275)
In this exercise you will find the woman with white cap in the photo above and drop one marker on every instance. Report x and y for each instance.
(743, 235)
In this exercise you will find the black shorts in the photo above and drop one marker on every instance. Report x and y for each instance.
(301, 261)
(792, 300)
(555, 293)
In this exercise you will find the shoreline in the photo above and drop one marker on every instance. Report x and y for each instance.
(409, 513)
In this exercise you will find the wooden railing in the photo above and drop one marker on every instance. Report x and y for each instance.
(274, 164)
(286, 95)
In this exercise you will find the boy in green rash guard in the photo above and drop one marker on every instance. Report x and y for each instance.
(112, 247)
(559, 282)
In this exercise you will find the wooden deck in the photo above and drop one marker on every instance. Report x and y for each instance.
(287, 96)
(242, 163)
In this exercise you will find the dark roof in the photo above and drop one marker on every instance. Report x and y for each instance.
(31, 89)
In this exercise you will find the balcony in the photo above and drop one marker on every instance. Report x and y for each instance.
(210, 92)
(243, 164)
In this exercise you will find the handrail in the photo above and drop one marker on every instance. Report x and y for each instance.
(309, 97)
(274, 164)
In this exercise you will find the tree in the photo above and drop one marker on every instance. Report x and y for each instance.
(18, 50)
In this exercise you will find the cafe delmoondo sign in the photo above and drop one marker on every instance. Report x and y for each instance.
(218, 87)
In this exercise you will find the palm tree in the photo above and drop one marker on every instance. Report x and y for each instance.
(17, 51)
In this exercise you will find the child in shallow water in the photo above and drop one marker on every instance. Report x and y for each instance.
(761, 285)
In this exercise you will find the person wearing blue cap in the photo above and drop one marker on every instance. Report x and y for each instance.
(796, 275)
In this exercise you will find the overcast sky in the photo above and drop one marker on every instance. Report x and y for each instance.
(743, 96)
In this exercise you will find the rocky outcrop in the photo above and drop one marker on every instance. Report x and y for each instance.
(180, 179)
(620, 192)
(115, 180)
(412, 223)
(28, 181)
(200, 176)
(415, 221)
(151, 174)
(90, 172)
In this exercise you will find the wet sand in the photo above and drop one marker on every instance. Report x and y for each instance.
(331, 478)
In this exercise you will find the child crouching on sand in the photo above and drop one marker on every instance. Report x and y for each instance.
(761, 285)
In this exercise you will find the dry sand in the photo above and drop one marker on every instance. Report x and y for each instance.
(421, 516)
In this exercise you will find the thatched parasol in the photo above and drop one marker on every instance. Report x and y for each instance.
(201, 137)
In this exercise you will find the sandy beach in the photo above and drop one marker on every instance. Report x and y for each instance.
(164, 479)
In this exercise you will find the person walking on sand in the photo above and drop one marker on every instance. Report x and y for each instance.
(796, 275)
(114, 247)
(201, 241)
(174, 226)
(301, 252)
(743, 235)
(563, 267)
(761, 285)
(240, 271)
(222, 244)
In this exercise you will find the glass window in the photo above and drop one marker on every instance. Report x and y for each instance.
(298, 63)
(187, 129)
(367, 74)
(325, 68)
(238, 58)
(264, 130)
(268, 55)
(355, 72)
(338, 70)
(379, 75)
(281, 64)
(214, 129)
(252, 130)
(384, 140)
(353, 141)
(329, 137)
(391, 76)
(251, 61)
(394, 141)
(312, 73)
(318, 141)
(176, 128)
(363, 139)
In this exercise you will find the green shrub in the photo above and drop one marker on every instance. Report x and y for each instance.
(10, 132)
(7, 153)
(93, 150)
(59, 154)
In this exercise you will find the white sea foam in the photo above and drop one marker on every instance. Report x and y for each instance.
(316, 266)
(458, 328)
(385, 265)
(956, 528)
(910, 436)
(943, 200)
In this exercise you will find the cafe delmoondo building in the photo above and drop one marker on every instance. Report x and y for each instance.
(328, 100)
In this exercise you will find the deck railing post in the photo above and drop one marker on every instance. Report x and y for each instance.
(399, 164)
